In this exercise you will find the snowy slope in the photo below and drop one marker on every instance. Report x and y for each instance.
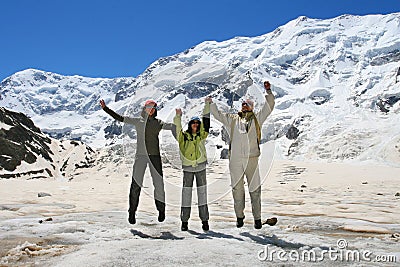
(334, 79)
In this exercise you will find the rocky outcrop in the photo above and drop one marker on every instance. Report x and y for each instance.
(26, 152)
(21, 140)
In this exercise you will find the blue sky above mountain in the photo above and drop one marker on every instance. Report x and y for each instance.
(122, 38)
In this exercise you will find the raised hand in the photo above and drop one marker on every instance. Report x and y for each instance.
(178, 111)
(102, 103)
(267, 85)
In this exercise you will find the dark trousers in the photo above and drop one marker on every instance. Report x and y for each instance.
(139, 167)
(201, 182)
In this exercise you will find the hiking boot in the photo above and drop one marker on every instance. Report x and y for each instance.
(271, 221)
(184, 226)
(239, 222)
(161, 216)
(257, 224)
(205, 226)
(132, 218)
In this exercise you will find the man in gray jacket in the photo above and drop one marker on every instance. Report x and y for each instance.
(245, 133)
(148, 128)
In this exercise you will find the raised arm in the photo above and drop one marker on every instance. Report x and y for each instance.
(110, 112)
(178, 125)
(205, 126)
(268, 105)
(224, 118)
(206, 114)
(116, 116)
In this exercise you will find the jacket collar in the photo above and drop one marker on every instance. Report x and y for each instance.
(246, 115)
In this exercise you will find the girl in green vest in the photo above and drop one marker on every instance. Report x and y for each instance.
(194, 159)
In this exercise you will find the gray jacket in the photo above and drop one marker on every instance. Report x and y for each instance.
(147, 129)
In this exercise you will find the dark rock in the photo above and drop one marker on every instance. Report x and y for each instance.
(31, 174)
(23, 141)
(395, 235)
(230, 96)
(124, 89)
(46, 220)
(38, 76)
(364, 182)
(49, 172)
(224, 153)
(292, 133)
(392, 56)
(113, 130)
(198, 89)
(292, 147)
(43, 194)
(213, 132)
(75, 143)
(386, 102)
(320, 96)
(192, 90)
(397, 194)
(300, 79)
(303, 186)
(382, 107)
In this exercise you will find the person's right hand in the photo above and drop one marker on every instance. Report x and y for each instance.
(267, 85)
(178, 111)
(102, 103)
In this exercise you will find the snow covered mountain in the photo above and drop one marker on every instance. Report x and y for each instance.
(337, 84)
(28, 153)
(60, 105)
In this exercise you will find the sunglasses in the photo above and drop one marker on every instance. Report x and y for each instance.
(245, 104)
(196, 122)
(151, 107)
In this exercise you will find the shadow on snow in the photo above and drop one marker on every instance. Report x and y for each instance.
(163, 236)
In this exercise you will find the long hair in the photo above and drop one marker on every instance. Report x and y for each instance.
(189, 129)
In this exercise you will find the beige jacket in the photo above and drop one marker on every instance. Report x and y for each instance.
(244, 143)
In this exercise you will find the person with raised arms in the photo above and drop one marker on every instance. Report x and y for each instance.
(194, 159)
(148, 128)
(244, 150)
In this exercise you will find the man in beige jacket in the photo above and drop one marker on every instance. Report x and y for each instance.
(245, 133)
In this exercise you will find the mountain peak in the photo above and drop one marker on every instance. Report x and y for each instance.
(336, 81)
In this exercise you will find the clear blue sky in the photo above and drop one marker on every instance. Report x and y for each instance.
(122, 37)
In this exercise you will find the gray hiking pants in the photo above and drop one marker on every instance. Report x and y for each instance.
(139, 167)
(201, 183)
